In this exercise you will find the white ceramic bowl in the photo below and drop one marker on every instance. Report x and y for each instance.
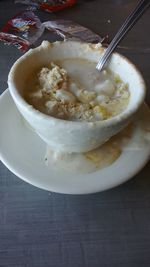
(70, 136)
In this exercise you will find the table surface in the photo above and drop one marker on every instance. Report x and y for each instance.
(40, 228)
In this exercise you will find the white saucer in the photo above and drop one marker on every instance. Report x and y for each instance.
(22, 151)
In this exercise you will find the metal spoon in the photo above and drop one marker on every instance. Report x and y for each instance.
(127, 25)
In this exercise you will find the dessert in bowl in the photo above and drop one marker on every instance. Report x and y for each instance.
(69, 104)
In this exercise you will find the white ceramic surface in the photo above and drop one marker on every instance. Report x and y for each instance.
(22, 151)
(66, 135)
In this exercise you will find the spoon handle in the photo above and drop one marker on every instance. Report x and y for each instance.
(126, 26)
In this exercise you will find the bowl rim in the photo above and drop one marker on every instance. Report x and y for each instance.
(21, 102)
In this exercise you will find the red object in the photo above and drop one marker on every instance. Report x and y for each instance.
(25, 28)
(57, 7)
(19, 42)
(48, 5)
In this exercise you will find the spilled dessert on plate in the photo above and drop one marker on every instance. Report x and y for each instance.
(70, 105)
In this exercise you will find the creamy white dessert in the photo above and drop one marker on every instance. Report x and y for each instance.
(72, 89)
(69, 136)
